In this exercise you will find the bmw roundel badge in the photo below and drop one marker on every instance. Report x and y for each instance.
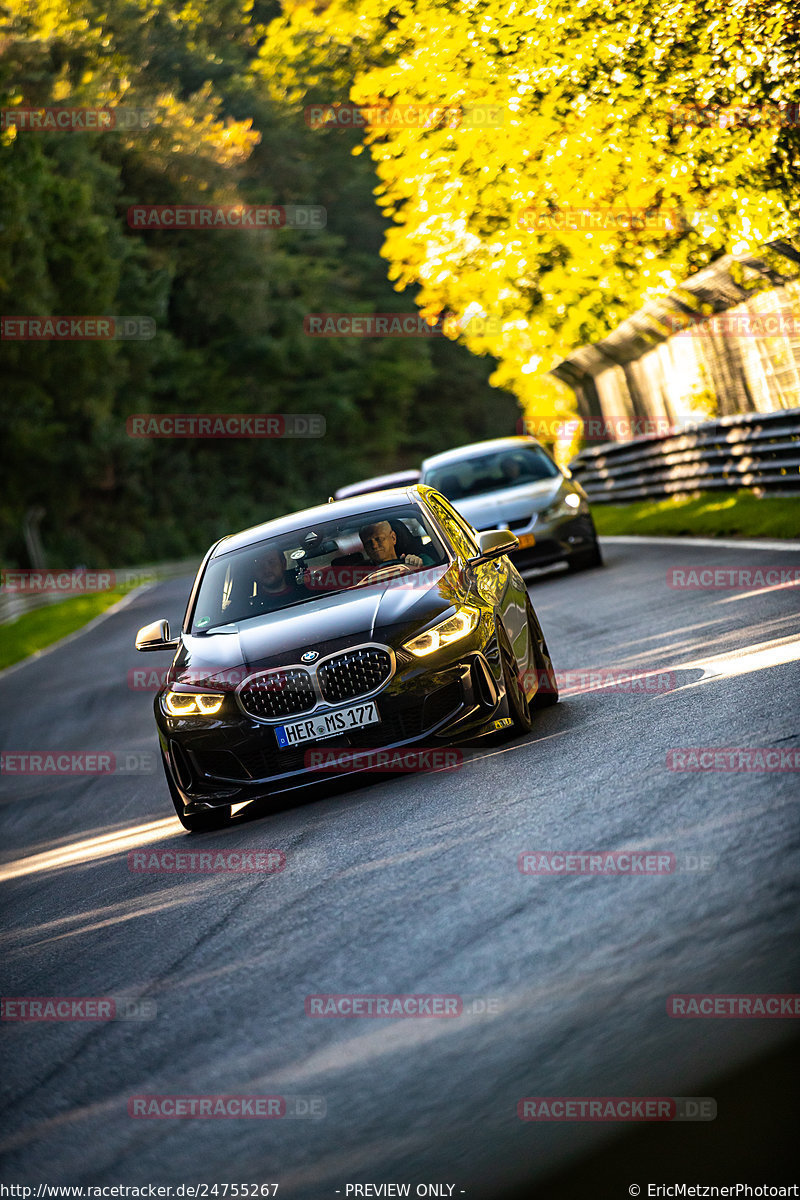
(310, 656)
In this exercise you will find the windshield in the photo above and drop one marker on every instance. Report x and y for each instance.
(492, 472)
(314, 560)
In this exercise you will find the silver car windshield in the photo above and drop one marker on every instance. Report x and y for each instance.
(492, 472)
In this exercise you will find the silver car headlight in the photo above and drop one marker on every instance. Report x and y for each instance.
(567, 506)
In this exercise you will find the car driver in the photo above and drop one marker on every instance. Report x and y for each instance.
(380, 546)
(511, 469)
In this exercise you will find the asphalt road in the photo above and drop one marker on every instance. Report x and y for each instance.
(411, 885)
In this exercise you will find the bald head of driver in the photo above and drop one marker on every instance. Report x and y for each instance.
(379, 541)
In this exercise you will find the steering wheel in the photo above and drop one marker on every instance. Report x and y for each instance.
(399, 568)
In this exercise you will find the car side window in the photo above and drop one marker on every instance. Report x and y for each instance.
(455, 528)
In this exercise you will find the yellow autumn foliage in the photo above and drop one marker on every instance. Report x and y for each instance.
(605, 150)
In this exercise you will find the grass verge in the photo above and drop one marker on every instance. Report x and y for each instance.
(35, 630)
(706, 514)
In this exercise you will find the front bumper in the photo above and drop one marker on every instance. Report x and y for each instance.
(557, 540)
(233, 758)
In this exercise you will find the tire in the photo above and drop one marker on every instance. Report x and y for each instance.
(585, 560)
(195, 822)
(216, 818)
(518, 707)
(547, 693)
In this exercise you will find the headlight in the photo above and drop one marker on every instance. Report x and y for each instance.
(192, 704)
(567, 506)
(455, 627)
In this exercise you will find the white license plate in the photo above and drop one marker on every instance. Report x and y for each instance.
(327, 724)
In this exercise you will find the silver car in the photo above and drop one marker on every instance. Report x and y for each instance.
(377, 484)
(513, 482)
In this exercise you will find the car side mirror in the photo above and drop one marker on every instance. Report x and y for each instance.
(156, 637)
(493, 544)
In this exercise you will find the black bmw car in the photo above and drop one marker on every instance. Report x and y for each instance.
(375, 623)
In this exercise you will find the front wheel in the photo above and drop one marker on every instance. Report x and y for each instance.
(205, 822)
(584, 560)
(547, 691)
(518, 707)
(202, 822)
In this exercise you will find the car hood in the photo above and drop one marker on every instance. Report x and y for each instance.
(511, 504)
(225, 656)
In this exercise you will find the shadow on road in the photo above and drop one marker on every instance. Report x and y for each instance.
(752, 1141)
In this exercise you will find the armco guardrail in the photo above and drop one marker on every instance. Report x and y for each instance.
(749, 450)
(14, 604)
